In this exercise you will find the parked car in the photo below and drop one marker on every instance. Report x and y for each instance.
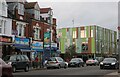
(109, 63)
(18, 62)
(77, 62)
(92, 62)
(56, 62)
(5, 69)
(100, 59)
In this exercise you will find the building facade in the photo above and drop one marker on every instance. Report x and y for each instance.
(91, 41)
(5, 29)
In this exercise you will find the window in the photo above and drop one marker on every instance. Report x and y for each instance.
(37, 33)
(20, 9)
(20, 29)
(3, 6)
(5, 27)
(91, 33)
(83, 33)
(0, 26)
(37, 14)
(74, 34)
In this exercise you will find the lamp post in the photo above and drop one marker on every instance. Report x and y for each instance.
(50, 16)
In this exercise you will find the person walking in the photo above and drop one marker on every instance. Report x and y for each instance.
(36, 62)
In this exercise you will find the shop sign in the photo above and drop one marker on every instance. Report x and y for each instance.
(53, 45)
(24, 41)
(47, 39)
(37, 45)
(5, 39)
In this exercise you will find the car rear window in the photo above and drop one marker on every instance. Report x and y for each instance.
(13, 58)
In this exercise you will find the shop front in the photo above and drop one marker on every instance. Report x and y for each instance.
(22, 46)
(5, 45)
(37, 47)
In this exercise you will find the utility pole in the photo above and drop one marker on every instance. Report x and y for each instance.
(50, 15)
(119, 47)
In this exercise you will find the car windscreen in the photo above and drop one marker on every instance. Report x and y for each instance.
(109, 59)
(52, 59)
(74, 59)
(11, 58)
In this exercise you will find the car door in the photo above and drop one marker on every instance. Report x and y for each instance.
(23, 61)
(18, 62)
(60, 60)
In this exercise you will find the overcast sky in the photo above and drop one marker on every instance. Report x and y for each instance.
(103, 13)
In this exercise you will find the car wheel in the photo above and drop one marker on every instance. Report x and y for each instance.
(83, 65)
(59, 66)
(48, 67)
(101, 67)
(65, 66)
(79, 65)
(14, 69)
(27, 68)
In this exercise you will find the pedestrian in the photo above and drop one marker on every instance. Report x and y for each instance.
(36, 62)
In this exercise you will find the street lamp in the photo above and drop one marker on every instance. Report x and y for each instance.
(50, 13)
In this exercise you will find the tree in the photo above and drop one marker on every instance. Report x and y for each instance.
(70, 51)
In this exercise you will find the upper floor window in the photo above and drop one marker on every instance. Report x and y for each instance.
(91, 33)
(74, 34)
(20, 9)
(83, 33)
(36, 33)
(20, 29)
(3, 6)
(37, 14)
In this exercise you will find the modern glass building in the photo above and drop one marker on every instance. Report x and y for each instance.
(91, 41)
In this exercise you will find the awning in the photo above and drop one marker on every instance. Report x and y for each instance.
(24, 48)
(38, 50)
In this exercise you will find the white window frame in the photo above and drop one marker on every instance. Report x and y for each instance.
(20, 9)
(3, 6)
(37, 33)
(37, 14)
(22, 29)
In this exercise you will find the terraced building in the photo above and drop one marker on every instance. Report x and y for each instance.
(90, 41)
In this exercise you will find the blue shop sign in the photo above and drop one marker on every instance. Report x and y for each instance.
(38, 46)
(24, 41)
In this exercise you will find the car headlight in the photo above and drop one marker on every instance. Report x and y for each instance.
(101, 63)
(10, 63)
(112, 63)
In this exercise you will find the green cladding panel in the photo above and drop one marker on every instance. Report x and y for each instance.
(62, 47)
(93, 45)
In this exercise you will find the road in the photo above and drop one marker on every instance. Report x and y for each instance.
(82, 71)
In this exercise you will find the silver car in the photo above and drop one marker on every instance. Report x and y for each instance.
(56, 62)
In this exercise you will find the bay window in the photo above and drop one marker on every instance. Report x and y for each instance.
(37, 14)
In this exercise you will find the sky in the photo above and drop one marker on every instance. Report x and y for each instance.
(103, 13)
